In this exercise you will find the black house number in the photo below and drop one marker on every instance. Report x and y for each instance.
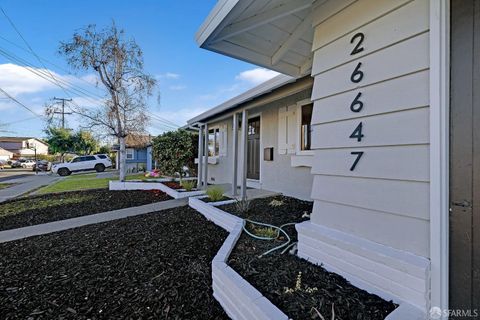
(357, 105)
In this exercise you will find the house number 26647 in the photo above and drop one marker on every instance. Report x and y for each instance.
(357, 105)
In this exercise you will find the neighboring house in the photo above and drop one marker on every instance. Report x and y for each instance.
(394, 135)
(278, 137)
(5, 154)
(24, 147)
(139, 153)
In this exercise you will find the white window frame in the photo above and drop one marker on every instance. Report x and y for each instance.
(214, 128)
(300, 152)
(130, 151)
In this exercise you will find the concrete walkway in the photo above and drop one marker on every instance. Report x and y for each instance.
(20, 233)
(25, 184)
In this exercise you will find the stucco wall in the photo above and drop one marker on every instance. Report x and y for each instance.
(277, 175)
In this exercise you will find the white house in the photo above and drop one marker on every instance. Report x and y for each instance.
(393, 151)
(24, 146)
(5, 154)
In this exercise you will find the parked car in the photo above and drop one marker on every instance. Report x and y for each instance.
(28, 164)
(42, 165)
(98, 162)
(3, 163)
(17, 163)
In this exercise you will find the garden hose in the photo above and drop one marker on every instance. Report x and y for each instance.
(279, 229)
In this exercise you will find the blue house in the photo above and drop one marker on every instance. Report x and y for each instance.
(139, 153)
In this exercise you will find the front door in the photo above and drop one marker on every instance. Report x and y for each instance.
(253, 149)
(465, 157)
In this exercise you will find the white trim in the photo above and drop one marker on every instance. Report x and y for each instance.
(132, 153)
(249, 180)
(439, 151)
(300, 104)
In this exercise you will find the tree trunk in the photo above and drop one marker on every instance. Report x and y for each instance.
(122, 163)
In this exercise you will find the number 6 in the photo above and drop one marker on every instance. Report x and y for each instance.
(357, 75)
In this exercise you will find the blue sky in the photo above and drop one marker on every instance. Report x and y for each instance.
(191, 79)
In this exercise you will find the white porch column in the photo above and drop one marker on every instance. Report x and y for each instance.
(205, 163)
(235, 154)
(200, 157)
(244, 154)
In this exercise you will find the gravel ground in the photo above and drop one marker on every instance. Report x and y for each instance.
(153, 266)
(34, 210)
(293, 284)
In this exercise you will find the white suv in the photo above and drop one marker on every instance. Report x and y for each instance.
(96, 162)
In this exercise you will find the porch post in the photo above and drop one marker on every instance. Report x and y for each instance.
(244, 154)
(200, 157)
(235, 154)
(205, 164)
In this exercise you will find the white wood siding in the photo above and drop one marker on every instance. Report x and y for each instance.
(385, 197)
(394, 117)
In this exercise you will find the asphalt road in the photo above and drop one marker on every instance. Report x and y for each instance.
(24, 180)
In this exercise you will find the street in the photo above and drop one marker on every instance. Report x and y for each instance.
(24, 180)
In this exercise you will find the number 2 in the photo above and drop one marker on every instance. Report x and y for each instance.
(359, 154)
(358, 48)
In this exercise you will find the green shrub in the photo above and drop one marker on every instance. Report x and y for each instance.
(188, 184)
(267, 232)
(242, 205)
(215, 193)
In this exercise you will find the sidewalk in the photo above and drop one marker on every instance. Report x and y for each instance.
(25, 184)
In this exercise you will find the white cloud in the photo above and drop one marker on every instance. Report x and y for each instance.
(169, 75)
(177, 88)
(18, 80)
(257, 75)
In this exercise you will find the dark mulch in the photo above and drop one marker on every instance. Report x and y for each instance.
(275, 273)
(207, 199)
(173, 185)
(34, 210)
(153, 266)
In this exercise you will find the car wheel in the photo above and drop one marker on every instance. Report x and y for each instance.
(99, 167)
(64, 172)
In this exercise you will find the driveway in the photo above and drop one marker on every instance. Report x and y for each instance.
(24, 181)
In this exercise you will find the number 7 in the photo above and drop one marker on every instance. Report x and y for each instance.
(359, 154)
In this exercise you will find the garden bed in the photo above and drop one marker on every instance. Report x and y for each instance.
(40, 209)
(294, 285)
(152, 266)
(208, 200)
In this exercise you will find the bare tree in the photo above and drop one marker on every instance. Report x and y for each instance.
(118, 62)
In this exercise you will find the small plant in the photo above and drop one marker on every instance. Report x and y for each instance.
(276, 203)
(298, 286)
(215, 193)
(242, 205)
(266, 232)
(188, 185)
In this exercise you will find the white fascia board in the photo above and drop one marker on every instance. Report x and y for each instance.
(255, 92)
(214, 19)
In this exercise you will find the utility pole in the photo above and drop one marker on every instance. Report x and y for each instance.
(63, 113)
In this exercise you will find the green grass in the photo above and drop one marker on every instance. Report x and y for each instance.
(84, 182)
(75, 184)
(30, 204)
(5, 185)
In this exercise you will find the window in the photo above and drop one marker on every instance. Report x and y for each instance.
(305, 129)
(90, 158)
(130, 154)
(77, 159)
(213, 142)
(102, 156)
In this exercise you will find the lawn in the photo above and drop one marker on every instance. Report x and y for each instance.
(152, 266)
(83, 182)
(5, 185)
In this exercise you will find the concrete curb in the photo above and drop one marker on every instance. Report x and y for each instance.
(238, 297)
(55, 226)
(134, 185)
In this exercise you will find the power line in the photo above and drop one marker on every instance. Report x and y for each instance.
(63, 113)
(18, 102)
